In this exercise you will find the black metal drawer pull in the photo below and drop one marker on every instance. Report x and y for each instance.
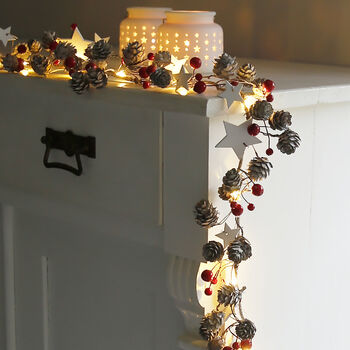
(72, 145)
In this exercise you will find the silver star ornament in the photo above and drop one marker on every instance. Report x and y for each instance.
(182, 78)
(6, 36)
(231, 93)
(228, 235)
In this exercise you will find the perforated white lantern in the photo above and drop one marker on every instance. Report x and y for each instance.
(186, 34)
(141, 25)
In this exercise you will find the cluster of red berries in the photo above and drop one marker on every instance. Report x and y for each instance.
(268, 86)
(145, 72)
(200, 86)
(245, 344)
(254, 130)
(208, 276)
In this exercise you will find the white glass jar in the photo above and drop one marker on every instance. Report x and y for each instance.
(186, 34)
(141, 25)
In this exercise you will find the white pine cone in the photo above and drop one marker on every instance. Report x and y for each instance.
(259, 168)
(213, 251)
(101, 50)
(216, 344)
(224, 192)
(229, 295)
(288, 142)
(162, 58)
(98, 78)
(79, 82)
(133, 54)
(40, 64)
(245, 329)
(47, 39)
(261, 110)
(246, 72)
(239, 250)
(280, 120)
(10, 63)
(213, 321)
(161, 77)
(34, 46)
(225, 66)
(64, 50)
(205, 333)
(232, 179)
(205, 214)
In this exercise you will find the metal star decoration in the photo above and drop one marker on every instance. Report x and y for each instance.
(237, 138)
(6, 36)
(228, 235)
(79, 42)
(182, 78)
(175, 65)
(98, 38)
(231, 93)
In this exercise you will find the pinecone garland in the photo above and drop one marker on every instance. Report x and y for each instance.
(280, 120)
(224, 192)
(245, 329)
(10, 63)
(205, 333)
(229, 295)
(205, 214)
(261, 110)
(216, 344)
(259, 168)
(213, 251)
(133, 54)
(161, 77)
(246, 72)
(213, 321)
(288, 142)
(232, 179)
(79, 82)
(162, 58)
(64, 50)
(225, 66)
(47, 39)
(239, 250)
(98, 78)
(40, 64)
(34, 46)
(101, 50)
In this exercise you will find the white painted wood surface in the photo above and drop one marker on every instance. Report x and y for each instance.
(110, 260)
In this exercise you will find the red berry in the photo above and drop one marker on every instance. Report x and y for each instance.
(253, 129)
(151, 69)
(200, 87)
(56, 62)
(198, 76)
(269, 151)
(237, 210)
(236, 345)
(143, 72)
(208, 291)
(227, 348)
(150, 56)
(20, 65)
(207, 275)
(70, 62)
(269, 85)
(195, 62)
(257, 190)
(53, 45)
(146, 84)
(234, 82)
(74, 26)
(91, 65)
(233, 205)
(269, 98)
(246, 344)
(22, 48)
(251, 206)
(214, 280)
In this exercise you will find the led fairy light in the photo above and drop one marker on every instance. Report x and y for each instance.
(187, 34)
(141, 25)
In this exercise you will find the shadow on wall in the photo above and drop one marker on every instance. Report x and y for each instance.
(294, 30)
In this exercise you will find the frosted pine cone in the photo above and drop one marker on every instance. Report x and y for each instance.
(79, 82)
(213, 251)
(98, 77)
(225, 66)
(288, 142)
(280, 120)
(64, 50)
(246, 72)
(232, 179)
(261, 110)
(205, 214)
(205, 333)
(40, 64)
(161, 77)
(10, 63)
(259, 168)
(133, 54)
(162, 58)
(34, 46)
(229, 295)
(224, 192)
(245, 329)
(239, 250)
(216, 344)
(101, 50)
(47, 39)
(213, 321)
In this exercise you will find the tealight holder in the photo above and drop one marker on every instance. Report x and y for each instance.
(141, 25)
(186, 34)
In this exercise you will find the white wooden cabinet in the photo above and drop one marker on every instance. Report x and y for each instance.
(109, 260)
